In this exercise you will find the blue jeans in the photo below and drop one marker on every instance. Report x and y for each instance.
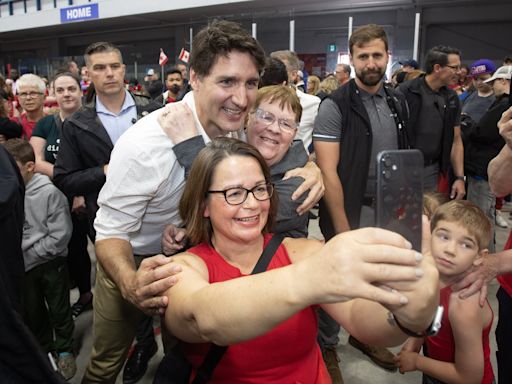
(480, 193)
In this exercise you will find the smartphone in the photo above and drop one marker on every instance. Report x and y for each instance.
(399, 195)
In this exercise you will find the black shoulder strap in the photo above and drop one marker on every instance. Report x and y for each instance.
(397, 116)
(268, 253)
(212, 359)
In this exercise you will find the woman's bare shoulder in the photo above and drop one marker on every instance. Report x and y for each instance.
(299, 249)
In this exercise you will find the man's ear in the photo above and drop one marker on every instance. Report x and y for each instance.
(193, 79)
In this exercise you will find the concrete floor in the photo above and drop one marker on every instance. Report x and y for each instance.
(356, 367)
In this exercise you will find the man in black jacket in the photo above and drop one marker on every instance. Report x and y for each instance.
(434, 111)
(357, 121)
(86, 142)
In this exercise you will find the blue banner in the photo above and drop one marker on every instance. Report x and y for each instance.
(79, 13)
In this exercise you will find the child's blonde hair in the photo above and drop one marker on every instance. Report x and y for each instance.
(431, 201)
(469, 216)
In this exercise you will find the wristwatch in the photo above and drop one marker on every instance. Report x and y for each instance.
(432, 330)
(463, 178)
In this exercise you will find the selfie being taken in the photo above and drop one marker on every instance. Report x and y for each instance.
(255, 192)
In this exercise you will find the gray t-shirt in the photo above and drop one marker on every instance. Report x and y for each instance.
(475, 106)
(328, 127)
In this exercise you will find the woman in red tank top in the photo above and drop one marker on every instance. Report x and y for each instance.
(268, 319)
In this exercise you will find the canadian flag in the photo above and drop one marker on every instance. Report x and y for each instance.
(163, 58)
(184, 55)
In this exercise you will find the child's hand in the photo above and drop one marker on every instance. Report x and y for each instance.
(406, 361)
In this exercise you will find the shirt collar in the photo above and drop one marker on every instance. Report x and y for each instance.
(128, 103)
(365, 95)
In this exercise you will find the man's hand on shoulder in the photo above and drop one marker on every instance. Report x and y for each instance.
(476, 281)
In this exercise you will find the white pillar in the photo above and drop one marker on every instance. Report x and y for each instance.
(350, 23)
(416, 36)
(292, 35)
(191, 36)
(254, 30)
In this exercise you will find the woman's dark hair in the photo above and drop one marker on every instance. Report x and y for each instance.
(68, 74)
(193, 201)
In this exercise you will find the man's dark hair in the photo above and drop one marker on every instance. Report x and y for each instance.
(438, 55)
(173, 71)
(274, 73)
(220, 38)
(100, 47)
(365, 34)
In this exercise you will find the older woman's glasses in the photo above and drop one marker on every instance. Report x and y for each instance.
(237, 196)
(32, 95)
(268, 118)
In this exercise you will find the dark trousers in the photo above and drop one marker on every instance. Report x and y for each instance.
(144, 333)
(79, 262)
(46, 305)
(504, 337)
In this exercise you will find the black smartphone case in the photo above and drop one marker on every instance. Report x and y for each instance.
(399, 195)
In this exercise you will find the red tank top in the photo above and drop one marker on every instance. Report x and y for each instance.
(442, 346)
(289, 353)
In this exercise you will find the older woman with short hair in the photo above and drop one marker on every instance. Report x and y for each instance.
(31, 93)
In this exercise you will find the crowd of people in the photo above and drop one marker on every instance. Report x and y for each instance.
(196, 191)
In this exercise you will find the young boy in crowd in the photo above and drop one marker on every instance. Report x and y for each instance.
(459, 353)
(46, 234)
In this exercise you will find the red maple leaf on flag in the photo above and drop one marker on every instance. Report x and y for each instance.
(163, 58)
(184, 55)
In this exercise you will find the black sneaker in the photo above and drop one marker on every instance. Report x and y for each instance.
(137, 362)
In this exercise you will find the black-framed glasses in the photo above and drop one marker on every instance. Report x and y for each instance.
(268, 118)
(238, 195)
(32, 95)
(456, 68)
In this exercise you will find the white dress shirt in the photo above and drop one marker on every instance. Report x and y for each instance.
(144, 185)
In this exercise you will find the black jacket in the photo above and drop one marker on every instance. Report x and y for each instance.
(356, 149)
(21, 358)
(84, 149)
(412, 91)
(485, 142)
